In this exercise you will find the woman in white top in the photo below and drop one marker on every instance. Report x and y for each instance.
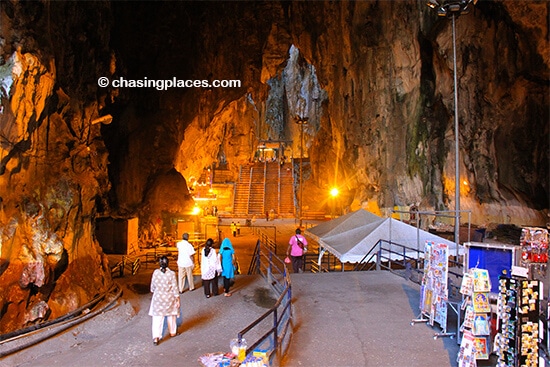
(210, 268)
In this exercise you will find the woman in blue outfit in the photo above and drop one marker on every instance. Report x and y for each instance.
(227, 259)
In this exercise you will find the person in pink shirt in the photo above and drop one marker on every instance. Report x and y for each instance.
(297, 247)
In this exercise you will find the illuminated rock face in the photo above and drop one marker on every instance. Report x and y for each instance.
(53, 164)
(374, 78)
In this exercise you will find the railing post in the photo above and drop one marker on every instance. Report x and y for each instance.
(275, 331)
(269, 269)
(378, 256)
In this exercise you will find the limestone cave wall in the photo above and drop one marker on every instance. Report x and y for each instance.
(53, 161)
(387, 68)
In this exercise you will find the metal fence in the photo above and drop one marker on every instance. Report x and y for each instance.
(271, 332)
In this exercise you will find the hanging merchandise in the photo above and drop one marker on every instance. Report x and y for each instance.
(534, 251)
(518, 323)
(475, 343)
(466, 354)
(534, 245)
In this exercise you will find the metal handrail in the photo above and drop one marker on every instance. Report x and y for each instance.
(254, 267)
(272, 268)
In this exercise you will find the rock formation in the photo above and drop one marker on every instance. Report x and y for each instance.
(53, 161)
(374, 78)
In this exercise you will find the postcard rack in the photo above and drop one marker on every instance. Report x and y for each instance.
(434, 301)
(476, 331)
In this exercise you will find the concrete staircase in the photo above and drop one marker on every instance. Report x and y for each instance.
(286, 191)
(262, 187)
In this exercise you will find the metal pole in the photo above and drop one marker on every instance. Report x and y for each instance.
(457, 154)
(301, 163)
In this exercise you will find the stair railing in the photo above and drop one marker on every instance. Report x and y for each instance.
(279, 209)
(265, 187)
(249, 188)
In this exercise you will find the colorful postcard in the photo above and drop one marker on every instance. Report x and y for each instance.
(481, 324)
(468, 318)
(467, 285)
(480, 345)
(482, 282)
(466, 354)
(481, 303)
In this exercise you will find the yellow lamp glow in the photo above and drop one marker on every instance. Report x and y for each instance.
(334, 192)
(196, 210)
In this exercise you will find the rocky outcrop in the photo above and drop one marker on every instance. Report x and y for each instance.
(53, 163)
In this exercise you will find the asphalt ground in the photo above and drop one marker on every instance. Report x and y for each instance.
(339, 319)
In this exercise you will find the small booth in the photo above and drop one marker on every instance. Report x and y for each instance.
(117, 235)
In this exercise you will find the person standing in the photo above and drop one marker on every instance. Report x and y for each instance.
(165, 301)
(297, 247)
(227, 260)
(210, 268)
(185, 263)
(234, 229)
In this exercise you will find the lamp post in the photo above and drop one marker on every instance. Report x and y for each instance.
(301, 121)
(453, 9)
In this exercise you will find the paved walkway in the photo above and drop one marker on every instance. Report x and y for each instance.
(340, 319)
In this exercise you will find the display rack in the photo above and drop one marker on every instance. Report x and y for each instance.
(518, 323)
(476, 330)
(434, 300)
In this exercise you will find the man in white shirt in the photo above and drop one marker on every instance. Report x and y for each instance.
(185, 263)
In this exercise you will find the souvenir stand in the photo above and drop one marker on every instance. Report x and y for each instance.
(520, 325)
(434, 290)
(476, 330)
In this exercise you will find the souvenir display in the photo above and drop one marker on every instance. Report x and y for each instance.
(534, 245)
(475, 287)
(518, 323)
(434, 290)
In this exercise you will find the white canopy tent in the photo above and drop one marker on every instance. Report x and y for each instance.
(353, 235)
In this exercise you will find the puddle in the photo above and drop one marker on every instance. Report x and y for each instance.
(263, 297)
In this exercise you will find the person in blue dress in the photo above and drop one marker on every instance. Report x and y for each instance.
(227, 260)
